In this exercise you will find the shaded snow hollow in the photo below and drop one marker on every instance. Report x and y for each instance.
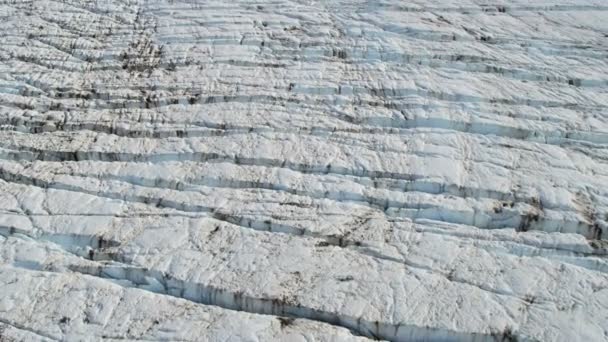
(304, 170)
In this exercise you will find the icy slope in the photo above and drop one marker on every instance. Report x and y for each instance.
(304, 170)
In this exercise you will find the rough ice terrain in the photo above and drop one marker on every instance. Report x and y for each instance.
(304, 170)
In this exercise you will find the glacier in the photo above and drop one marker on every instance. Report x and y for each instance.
(304, 170)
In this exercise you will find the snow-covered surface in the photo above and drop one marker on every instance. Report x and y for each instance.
(304, 170)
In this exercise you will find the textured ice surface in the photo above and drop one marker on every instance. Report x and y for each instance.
(304, 170)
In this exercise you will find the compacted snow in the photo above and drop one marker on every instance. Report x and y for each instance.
(304, 170)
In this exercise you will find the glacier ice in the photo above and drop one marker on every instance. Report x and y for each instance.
(304, 170)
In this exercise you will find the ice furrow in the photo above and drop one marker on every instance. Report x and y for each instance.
(398, 181)
(106, 303)
(30, 154)
(478, 126)
(380, 125)
(208, 295)
(159, 282)
(493, 219)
